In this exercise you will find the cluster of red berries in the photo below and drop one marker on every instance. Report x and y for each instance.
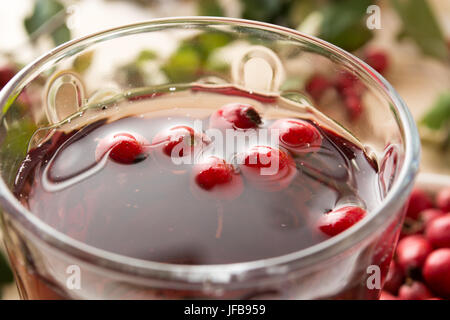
(264, 167)
(421, 266)
(213, 173)
(349, 88)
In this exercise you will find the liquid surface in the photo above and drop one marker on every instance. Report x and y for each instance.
(149, 209)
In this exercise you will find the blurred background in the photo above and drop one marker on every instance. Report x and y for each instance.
(408, 41)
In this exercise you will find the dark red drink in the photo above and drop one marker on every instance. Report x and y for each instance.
(116, 182)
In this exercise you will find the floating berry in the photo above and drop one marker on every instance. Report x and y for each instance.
(414, 290)
(418, 201)
(377, 59)
(443, 199)
(178, 141)
(123, 148)
(267, 168)
(182, 136)
(217, 178)
(317, 85)
(298, 135)
(438, 231)
(436, 272)
(412, 252)
(338, 220)
(394, 278)
(235, 116)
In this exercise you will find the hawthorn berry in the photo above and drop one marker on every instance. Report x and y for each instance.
(377, 59)
(268, 168)
(338, 220)
(418, 202)
(177, 141)
(414, 290)
(297, 135)
(235, 116)
(122, 147)
(438, 231)
(436, 272)
(385, 295)
(443, 199)
(427, 215)
(353, 102)
(412, 252)
(317, 85)
(216, 178)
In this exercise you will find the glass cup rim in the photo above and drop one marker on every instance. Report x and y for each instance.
(219, 273)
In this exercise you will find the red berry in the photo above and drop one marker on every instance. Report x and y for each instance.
(378, 60)
(387, 296)
(317, 85)
(412, 252)
(418, 201)
(235, 116)
(123, 148)
(394, 278)
(346, 80)
(267, 168)
(414, 291)
(177, 141)
(298, 135)
(438, 231)
(436, 272)
(6, 74)
(338, 220)
(443, 199)
(350, 89)
(353, 103)
(217, 178)
(426, 216)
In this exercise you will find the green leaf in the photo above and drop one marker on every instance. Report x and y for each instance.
(209, 8)
(439, 114)
(210, 41)
(183, 64)
(344, 24)
(6, 275)
(420, 24)
(43, 12)
(300, 9)
(15, 144)
(262, 10)
(61, 35)
(192, 57)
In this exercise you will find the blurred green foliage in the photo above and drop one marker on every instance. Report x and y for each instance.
(209, 8)
(439, 114)
(193, 56)
(48, 17)
(344, 24)
(420, 24)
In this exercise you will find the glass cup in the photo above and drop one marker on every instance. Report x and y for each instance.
(160, 53)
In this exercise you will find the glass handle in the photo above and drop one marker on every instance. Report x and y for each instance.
(258, 68)
(65, 96)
